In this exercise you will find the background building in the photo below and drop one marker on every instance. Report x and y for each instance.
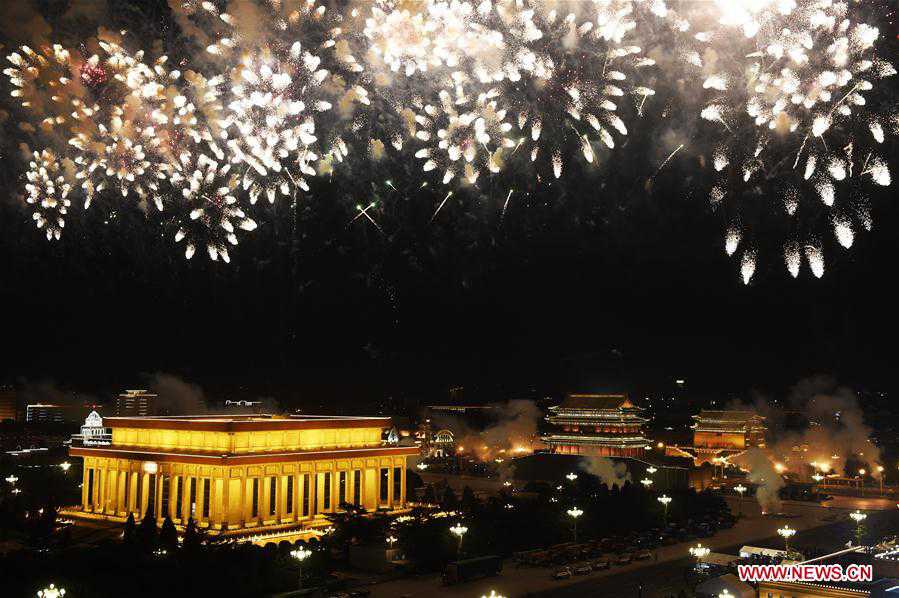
(607, 425)
(8, 403)
(242, 474)
(136, 403)
(727, 430)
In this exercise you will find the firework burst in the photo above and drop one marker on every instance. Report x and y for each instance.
(463, 135)
(47, 193)
(208, 213)
(563, 76)
(790, 103)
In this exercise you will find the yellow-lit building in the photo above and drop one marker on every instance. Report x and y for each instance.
(729, 430)
(237, 475)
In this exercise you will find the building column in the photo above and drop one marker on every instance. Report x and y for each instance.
(85, 475)
(390, 486)
(294, 480)
(403, 484)
(225, 514)
(242, 500)
(279, 498)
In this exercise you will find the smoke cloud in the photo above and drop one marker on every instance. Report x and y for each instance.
(609, 472)
(176, 396)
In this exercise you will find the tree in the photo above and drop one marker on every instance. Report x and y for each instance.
(450, 501)
(130, 534)
(168, 536)
(469, 502)
(146, 532)
(193, 538)
(429, 497)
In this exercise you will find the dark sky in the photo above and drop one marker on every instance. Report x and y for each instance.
(601, 279)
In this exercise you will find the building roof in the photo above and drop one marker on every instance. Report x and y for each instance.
(596, 401)
(246, 423)
(729, 415)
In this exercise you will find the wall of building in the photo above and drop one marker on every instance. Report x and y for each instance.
(223, 496)
(731, 440)
(247, 442)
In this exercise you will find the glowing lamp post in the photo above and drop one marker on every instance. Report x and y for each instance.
(725, 594)
(12, 479)
(571, 477)
(858, 517)
(700, 552)
(64, 466)
(786, 532)
(51, 592)
(665, 500)
(459, 530)
(574, 513)
(880, 475)
(740, 489)
(646, 483)
(422, 466)
(493, 594)
(391, 540)
(651, 470)
(301, 554)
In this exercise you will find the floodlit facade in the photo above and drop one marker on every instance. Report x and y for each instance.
(237, 474)
(607, 425)
(733, 430)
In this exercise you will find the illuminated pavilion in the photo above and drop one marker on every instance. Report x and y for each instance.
(728, 430)
(245, 476)
(606, 425)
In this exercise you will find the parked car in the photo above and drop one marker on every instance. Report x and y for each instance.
(600, 564)
(563, 573)
(643, 555)
(583, 569)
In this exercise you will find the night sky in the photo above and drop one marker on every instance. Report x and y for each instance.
(601, 279)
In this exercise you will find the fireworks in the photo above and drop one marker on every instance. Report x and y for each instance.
(463, 135)
(286, 90)
(47, 193)
(795, 90)
(272, 122)
(210, 214)
(562, 77)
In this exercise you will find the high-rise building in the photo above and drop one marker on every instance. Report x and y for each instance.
(607, 425)
(136, 403)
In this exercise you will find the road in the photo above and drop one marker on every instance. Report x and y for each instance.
(823, 526)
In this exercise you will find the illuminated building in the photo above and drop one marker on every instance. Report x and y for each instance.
(133, 403)
(596, 424)
(8, 403)
(241, 476)
(728, 430)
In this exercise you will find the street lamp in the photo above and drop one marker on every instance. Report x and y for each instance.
(646, 483)
(422, 466)
(574, 513)
(391, 540)
(301, 554)
(700, 552)
(786, 532)
(51, 592)
(460, 531)
(858, 517)
(11, 479)
(725, 594)
(880, 472)
(493, 594)
(740, 488)
(571, 476)
(65, 465)
(665, 500)
(651, 470)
